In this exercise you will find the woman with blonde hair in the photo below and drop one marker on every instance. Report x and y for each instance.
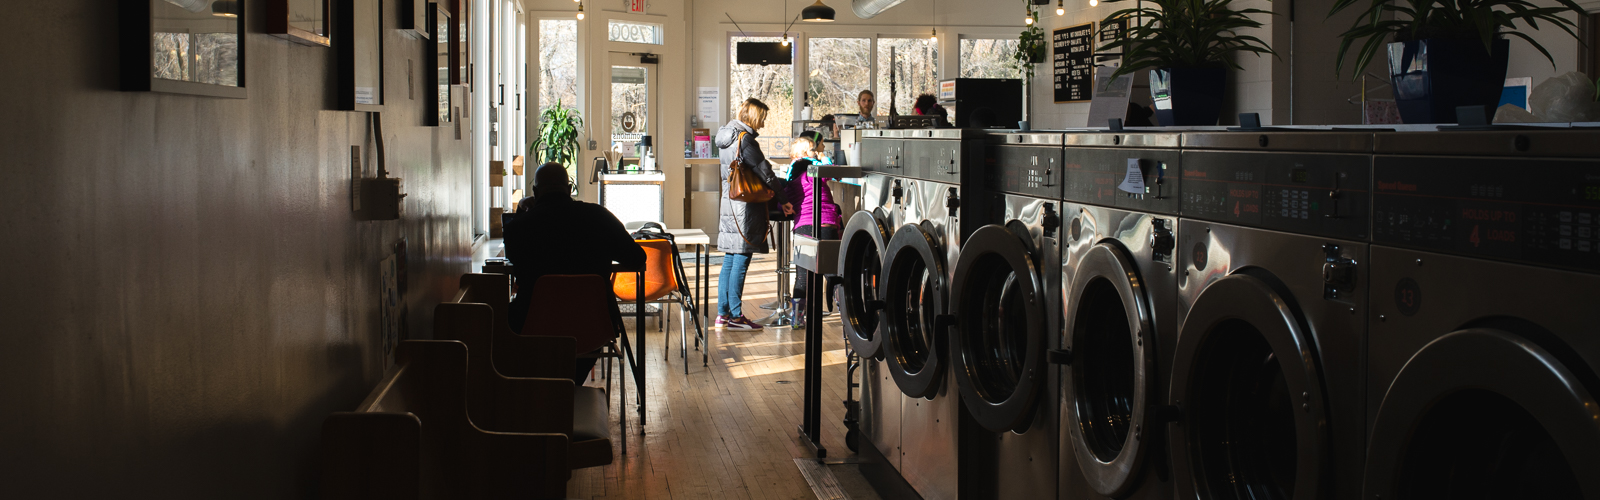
(742, 227)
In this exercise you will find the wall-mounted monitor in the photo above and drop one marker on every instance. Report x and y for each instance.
(764, 53)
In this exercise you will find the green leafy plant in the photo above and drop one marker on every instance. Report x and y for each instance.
(1183, 34)
(1030, 46)
(1449, 19)
(558, 137)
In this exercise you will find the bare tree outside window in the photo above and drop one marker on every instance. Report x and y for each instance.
(916, 72)
(988, 58)
(773, 84)
(840, 69)
(558, 63)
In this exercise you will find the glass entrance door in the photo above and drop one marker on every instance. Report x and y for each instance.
(634, 188)
(632, 106)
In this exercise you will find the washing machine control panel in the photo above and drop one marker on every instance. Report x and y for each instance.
(884, 155)
(1025, 170)
(1324, 194)
(1142, 180)
(1536, 211)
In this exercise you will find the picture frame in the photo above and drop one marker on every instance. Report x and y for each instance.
(194, 47)
(306, 22)
(358, 46)
(414, 16)
(440, 22)
(460, 59)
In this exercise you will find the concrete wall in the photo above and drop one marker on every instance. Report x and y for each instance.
(184, 292)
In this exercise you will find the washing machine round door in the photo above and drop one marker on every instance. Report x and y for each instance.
(913, 291)
(1111, 380)
(1484, 413)
(860, 265)
(1246, 382)
(998, 343)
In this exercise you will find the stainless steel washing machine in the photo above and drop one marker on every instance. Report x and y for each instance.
(866, 234)
(1005, 315)
(914, 287)
(1485, 277)
(1267, 374)
(1119, 292)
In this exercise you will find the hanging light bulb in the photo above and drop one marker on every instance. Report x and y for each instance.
(580, 10)
(785, 39)
(1061, 10)
(1028, 20)
(935, 36)
(1093, 3)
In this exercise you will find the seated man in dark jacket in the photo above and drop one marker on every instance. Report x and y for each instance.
(560, 235)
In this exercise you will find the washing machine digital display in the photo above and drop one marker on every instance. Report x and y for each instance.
(1319, 194)
(1547, 213)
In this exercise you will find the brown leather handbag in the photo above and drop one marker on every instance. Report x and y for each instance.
(743, 183)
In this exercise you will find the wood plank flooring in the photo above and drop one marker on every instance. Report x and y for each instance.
(727, 430)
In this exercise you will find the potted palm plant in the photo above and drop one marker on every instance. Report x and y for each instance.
(1445, 53)
(1188, 46)
(558, 139)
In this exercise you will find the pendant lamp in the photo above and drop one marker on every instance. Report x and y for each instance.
(817, 13)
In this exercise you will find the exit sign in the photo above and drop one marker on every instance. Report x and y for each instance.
(636, 6)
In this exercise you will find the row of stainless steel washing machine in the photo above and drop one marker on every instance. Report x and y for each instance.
(1215, 338)
(898, 256)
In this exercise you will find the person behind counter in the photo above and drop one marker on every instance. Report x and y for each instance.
(927, 105)
(805, 151)
(560, 235)
(742, 227)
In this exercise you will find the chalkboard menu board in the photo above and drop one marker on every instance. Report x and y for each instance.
(1072, 58)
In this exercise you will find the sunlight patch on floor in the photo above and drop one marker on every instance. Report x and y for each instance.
(770, 365)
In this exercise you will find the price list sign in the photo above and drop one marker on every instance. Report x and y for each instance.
(1072, 62)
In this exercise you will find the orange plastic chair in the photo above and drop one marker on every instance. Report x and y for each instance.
(662, 285)
(572, 305)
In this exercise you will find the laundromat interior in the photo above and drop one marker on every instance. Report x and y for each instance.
(909, 249)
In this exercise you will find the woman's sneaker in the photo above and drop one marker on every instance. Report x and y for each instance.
(741, 323)
(722, 322)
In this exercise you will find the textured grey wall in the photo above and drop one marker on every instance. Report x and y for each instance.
(184, 293)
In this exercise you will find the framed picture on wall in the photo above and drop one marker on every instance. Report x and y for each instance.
(459, 57)
(358, 45)
(184, 47)
(414, 15)
(439, 19)
(301, 21)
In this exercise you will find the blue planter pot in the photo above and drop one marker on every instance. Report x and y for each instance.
(1188, 96)
(1432, 76)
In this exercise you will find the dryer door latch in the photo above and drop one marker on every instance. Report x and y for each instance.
(1338, 274)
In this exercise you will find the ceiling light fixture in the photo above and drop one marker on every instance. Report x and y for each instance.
(817, 13)
(1061, 10)
(225, 8)
(580, 10)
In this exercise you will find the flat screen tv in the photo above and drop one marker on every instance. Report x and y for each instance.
(764, 53)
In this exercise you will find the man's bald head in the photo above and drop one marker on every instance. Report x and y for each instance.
(550, 179)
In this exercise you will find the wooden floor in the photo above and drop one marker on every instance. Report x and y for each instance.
(727, 430)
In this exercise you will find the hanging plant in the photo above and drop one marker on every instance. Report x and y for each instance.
(1030, 46)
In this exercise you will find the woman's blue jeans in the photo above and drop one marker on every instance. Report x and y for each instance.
(731, 284)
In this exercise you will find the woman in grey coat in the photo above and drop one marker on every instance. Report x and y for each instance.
(742, 227)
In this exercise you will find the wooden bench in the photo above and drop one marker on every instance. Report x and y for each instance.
(579, 412)
(384, 450)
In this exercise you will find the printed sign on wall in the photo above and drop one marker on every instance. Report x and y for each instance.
(1072, 62)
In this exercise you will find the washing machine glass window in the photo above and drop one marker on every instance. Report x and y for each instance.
(1105, 375)
(1242, 417)
(996, 340)
(1479, 444)
(913, 317)
(911, 286)
(860, 268)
